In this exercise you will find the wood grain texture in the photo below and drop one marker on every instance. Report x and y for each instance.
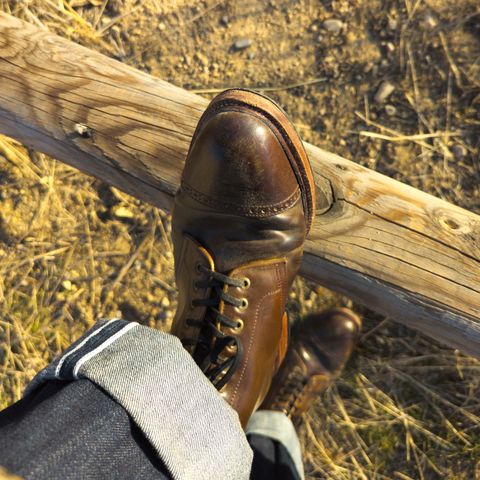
(400, 251)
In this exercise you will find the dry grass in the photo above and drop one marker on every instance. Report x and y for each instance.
(73, 249)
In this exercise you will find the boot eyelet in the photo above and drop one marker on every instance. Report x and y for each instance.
(197, 267)
(244, 304)
(246, 283)
(194, 286)
(240, 325)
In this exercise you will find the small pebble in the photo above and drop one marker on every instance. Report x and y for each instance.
(242, 44)
(392, 23)
(150, 298)
(430, 21)
(333, 25)
(390, 110)
(161, 26)
(385, 89)
(165, 302)
(224, 21)
(459, 151)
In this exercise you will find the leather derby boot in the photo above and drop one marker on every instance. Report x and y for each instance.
(244, 207)
(321, 345)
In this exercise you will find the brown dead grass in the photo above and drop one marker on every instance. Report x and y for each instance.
(73, 249)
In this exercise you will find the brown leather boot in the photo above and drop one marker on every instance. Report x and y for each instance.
(240, 218)
(321, 345)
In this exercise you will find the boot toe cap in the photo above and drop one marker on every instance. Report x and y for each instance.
(237, 160)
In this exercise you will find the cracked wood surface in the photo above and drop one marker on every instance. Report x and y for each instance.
(400, 251)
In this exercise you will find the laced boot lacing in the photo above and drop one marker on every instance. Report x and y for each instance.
(218, 369)
(290, 391)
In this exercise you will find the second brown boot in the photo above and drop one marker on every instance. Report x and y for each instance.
(321, 345)
(240, 218)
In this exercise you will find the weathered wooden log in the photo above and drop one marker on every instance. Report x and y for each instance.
(391, 247)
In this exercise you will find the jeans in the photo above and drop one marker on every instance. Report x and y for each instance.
(127, 402)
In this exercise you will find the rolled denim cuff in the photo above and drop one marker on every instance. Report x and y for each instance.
(193, 430)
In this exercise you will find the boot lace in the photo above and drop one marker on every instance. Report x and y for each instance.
(212, 340)
(290, 391)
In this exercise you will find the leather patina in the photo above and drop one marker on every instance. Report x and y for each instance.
(321, 346)
(240, 211)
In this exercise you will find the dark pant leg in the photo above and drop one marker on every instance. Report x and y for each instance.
(271, 461)
(68, 431)
(74, 430)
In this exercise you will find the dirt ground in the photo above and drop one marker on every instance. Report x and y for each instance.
(393, 85)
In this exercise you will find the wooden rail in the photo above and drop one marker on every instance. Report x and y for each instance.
(391, 247)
